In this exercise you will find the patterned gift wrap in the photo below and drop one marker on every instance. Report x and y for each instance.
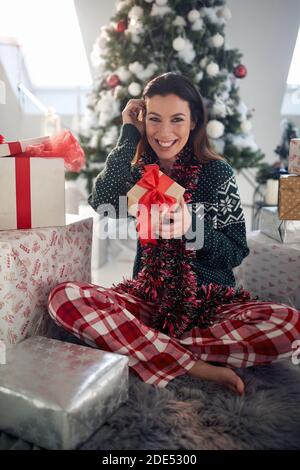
(32, 262)
(294, 156)
(56, 394)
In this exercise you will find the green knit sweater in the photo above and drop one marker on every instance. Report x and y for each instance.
(224, 239)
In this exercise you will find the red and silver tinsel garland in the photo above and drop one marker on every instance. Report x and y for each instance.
(167, 277)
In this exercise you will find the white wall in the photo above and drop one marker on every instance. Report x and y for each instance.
(265, 31)
(92, 14)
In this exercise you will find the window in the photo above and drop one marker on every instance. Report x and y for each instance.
(294, 72)
(49, 34)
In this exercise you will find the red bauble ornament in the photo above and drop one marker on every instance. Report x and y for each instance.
(113, 80)
(240, 71)
(1, 139)
(121, 26)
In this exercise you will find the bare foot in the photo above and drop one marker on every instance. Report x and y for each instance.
(219, 374)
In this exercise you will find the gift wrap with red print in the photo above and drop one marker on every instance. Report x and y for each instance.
(32, 262)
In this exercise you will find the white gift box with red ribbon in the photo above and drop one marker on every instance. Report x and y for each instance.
(32, 189)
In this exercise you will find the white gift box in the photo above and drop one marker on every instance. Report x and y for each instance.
(32, 189)
(285, 231)
(32, 262)
(100, 236)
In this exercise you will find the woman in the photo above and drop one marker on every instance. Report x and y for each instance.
(180, 312)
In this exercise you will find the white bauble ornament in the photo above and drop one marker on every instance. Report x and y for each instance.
(193, 15)
(179, 43)
(215, 129)
(123, 74)
(203, 62)
(188, 54)
(149, 1)
(134, 89)
(136, 68)
(161, 3)
(212, 69)
(225, 13)
(179, 21)
(217, 40)
(219, 109)
(136, 12)
(246, 126)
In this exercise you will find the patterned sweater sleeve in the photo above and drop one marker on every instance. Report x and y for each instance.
(108, 196)
(225, 243)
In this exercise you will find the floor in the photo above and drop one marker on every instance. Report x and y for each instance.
(112, 272)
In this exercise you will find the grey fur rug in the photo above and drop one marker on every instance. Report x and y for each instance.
(191, 414)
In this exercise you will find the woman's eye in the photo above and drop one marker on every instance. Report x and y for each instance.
(174, 120)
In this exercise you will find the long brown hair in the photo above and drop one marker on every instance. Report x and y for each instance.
(174, 83)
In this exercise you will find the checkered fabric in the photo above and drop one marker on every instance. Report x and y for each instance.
(245, 334)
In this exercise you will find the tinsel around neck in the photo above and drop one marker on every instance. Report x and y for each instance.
(167, 276)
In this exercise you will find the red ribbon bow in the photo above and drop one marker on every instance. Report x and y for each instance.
(156, 186)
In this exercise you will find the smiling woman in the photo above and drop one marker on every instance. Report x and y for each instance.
(171, 317)
(48, 21)
(167, 133)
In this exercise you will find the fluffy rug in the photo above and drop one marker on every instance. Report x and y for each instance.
(191, 414)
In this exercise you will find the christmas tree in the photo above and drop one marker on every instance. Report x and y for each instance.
(146, 38)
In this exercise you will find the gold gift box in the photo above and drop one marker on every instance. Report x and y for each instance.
(289, 197)
(136, 192)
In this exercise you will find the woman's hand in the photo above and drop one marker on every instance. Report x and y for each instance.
(134, 113)
(174, 222)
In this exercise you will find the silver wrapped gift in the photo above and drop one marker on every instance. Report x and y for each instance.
(56, 394)
(285, 231)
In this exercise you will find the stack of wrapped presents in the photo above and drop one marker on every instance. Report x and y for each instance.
(53, 393)
(282, 222)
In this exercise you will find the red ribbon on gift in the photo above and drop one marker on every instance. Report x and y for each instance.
(156, 186)
(23, 199)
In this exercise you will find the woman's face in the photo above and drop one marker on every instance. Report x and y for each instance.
(168, 125)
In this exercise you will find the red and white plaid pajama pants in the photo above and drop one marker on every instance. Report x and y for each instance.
(244, 335)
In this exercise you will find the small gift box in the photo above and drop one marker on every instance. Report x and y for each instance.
(155, 188)
(56, 394)
(294, 156)
(32, 262)
(32, 180)
(289, 197)
(285, 231)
